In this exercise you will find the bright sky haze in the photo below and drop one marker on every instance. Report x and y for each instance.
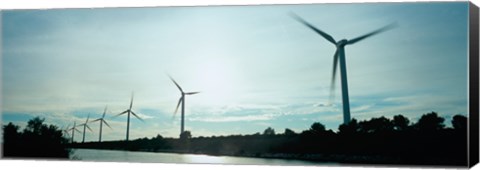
(255, 66)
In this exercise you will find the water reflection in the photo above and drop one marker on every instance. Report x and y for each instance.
(151, 157)
(190, 158)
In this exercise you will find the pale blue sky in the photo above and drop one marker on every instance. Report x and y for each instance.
(255, 66)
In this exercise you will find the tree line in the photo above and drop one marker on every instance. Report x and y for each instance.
(379, 140)
(37, 140)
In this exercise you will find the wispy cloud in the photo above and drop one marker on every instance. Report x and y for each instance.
(246, 118)
(362, 108)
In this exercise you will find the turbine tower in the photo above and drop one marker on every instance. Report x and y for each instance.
(85, 125)
(339, 57)
(102, 120)
(73, 129)
(128, 112)
(181, 101)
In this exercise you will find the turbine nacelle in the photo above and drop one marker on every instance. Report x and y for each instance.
(342, 43)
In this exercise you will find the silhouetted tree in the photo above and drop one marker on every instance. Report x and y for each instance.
(350, 128)
(459, 122)
(400, 122)
(317, 127)
(289, 132)
(158, 137)
(430, 122)
(374, 125)
(10, 132)
(186, 135)
(269, 131)
(37, 140)
(34, 125)
(11, 138)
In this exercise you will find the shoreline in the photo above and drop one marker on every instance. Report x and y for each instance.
(320, 158)
(310, 157)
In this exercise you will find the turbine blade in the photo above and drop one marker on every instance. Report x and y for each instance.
(96, 120)
(136, 116)
(131, 102)
(121, 113)
(190, 93)
(176, 83)
(88, 127)
(87, 118)
(178, 105)
(323, 34)
(104, 112)
(77, 131)
(385, 28)
(106, 123)
(334, 75)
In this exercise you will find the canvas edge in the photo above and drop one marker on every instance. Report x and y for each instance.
(473, 129)
(1, 83)
(473, 69)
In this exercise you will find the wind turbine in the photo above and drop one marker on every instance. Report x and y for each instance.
(85, 125)
(182, 101)
(128, 112)
(73, 129)
(339, 57)
(65, 131)
(102, 120)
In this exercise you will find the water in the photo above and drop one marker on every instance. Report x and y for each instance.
(153, 157)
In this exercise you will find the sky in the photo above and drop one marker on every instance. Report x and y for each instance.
(255, 66)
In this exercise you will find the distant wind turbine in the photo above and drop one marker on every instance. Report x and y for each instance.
(128, 112)
(339, 56)
(73, 129)
(66, 131)
(102, 120)
(85, 125)
(181, 101)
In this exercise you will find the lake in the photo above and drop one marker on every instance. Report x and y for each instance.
(155, 157)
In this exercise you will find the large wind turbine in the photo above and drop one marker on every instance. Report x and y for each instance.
(73, 129)
(181, 101)
(85, 125)
(102, 120)
(128, 112)
(339, 57)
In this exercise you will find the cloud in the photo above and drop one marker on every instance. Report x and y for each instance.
(324, 105)
(236, 109)
(362, 108)
(412, 106)
(144, 116)
(246, 118)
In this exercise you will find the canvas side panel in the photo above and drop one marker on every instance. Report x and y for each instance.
(473, 79)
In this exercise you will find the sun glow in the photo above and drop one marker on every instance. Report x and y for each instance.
(218, 82)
